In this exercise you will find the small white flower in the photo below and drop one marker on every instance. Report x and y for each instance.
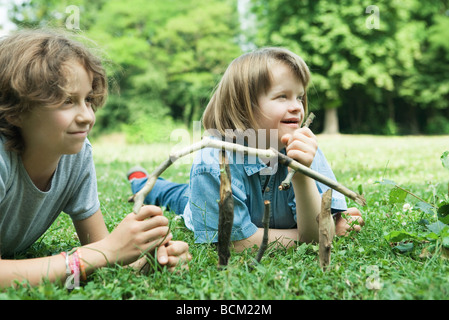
(407, 207)
(279, 275)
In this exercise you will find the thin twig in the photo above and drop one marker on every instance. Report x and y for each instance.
(285, 184)
(414, 195)
(285, 160)
(266, 224)
(309, 120)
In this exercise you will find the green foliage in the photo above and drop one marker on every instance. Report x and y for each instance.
(164, 57)
(167, 56)
(437, 231)
(387, 79)
(148, 129)
(445, 159)
(437, 124)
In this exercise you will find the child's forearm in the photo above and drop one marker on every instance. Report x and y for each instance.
(32, 270)
(53, 268)
(284, 237)
(308, 206)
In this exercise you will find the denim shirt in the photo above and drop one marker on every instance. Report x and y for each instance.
(252, 182)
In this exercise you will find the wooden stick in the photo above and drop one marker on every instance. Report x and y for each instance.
(326, 228)
(309, 120)
(360, 199)
(226, 212)
(286, 183)
(139, 197)
(266, 227)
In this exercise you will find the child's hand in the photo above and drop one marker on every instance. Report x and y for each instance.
(348, 221)
(137, 234)
(174, 253)
(301, 145)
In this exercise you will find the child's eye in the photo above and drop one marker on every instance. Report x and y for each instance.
(68, 101)
(89, 99)
(300, 98)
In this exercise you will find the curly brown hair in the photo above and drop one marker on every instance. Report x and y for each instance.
(32, 75)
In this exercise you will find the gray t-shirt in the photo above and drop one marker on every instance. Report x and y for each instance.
(26, 212)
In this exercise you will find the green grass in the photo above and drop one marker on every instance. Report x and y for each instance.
(294, 273)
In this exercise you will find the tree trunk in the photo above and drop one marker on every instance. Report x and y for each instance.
(331, 121)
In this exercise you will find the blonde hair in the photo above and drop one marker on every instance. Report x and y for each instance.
(32, 68)
(234, 103)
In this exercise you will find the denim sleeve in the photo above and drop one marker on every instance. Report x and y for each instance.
(321, 165)
(204, 198)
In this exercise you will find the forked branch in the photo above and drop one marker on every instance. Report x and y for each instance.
(207, 142)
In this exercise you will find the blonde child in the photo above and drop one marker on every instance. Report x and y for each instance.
(261, 101)
(50, 88)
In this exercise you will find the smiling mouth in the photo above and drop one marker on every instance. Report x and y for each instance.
(290, 121)
(79, 132)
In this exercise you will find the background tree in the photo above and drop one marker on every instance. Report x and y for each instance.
(374, 75)
(164, 57)
(381, 74)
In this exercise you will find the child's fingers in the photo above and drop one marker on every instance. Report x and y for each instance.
(347, 221)
(286, 138)
(177, 248)
(162, 255)
(301, 146)
(355, 214)
(178, 252)
(300, 133)
(301, 138)
(148, 211)
(154, 222)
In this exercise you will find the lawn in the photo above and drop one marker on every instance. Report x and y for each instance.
(363, 266)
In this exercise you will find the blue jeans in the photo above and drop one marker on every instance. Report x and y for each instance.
(173, 196)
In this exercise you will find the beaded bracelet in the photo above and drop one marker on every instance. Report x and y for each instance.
(75, 265)
(68, 272)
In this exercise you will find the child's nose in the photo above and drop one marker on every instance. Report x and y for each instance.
(86, 113)
(296, 106)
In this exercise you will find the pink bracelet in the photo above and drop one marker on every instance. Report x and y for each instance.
(81, 265)
(75, 265)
